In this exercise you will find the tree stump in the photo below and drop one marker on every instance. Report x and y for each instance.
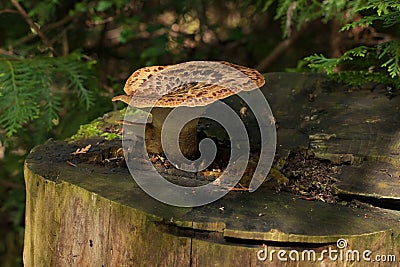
(88, 214)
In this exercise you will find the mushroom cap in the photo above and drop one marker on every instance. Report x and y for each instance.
(149, 93)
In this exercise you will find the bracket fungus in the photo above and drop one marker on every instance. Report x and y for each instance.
(209, 81)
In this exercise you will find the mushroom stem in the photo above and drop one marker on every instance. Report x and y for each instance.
(187, 137)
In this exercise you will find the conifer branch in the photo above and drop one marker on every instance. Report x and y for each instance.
(32, 24)
(30, 90)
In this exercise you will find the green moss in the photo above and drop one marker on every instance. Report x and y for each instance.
(359, 78)
(277, 177)
(93, 129)
(109, 126)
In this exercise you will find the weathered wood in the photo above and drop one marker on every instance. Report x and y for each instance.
(91, 215)
(69, 226)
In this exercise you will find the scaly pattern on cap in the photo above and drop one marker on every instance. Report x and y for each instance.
(208, 82)
(139, 77)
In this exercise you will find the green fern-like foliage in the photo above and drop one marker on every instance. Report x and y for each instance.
(380, 63)
(30, 90)
(362, 64)
(294, 14)
(386, 11)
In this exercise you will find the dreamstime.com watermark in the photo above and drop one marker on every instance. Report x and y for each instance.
(340, 254)
(178, 78)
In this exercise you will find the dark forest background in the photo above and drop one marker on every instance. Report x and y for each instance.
(61, 62)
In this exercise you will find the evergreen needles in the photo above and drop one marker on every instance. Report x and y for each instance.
(33, 89)
(379, 63)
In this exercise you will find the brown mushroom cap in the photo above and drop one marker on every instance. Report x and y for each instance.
(189, 94)
(139, 77)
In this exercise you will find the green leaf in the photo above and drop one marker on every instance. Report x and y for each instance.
(321, 62)
(103, 5)
(392, 52)
(266, 5)
(126, 34)
(154, 27)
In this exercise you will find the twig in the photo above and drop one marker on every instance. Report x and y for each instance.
(201, 12)
(336, 38)
(8, 53)
(71, 164)
(65, 46)
(57, 24)
(33, 25)
(8, 11)
(280, 49)
(101, 22)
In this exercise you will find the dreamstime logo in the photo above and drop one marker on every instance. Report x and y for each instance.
(341, 254)
(178, 76)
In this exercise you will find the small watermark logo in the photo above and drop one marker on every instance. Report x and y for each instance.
(172, 85)
(339, 254)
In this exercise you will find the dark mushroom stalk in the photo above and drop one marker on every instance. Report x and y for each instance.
(187, 137)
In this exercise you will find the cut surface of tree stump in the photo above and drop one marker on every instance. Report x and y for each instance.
(88, 214)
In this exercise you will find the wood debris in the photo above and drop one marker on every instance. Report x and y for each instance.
(82, 150)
